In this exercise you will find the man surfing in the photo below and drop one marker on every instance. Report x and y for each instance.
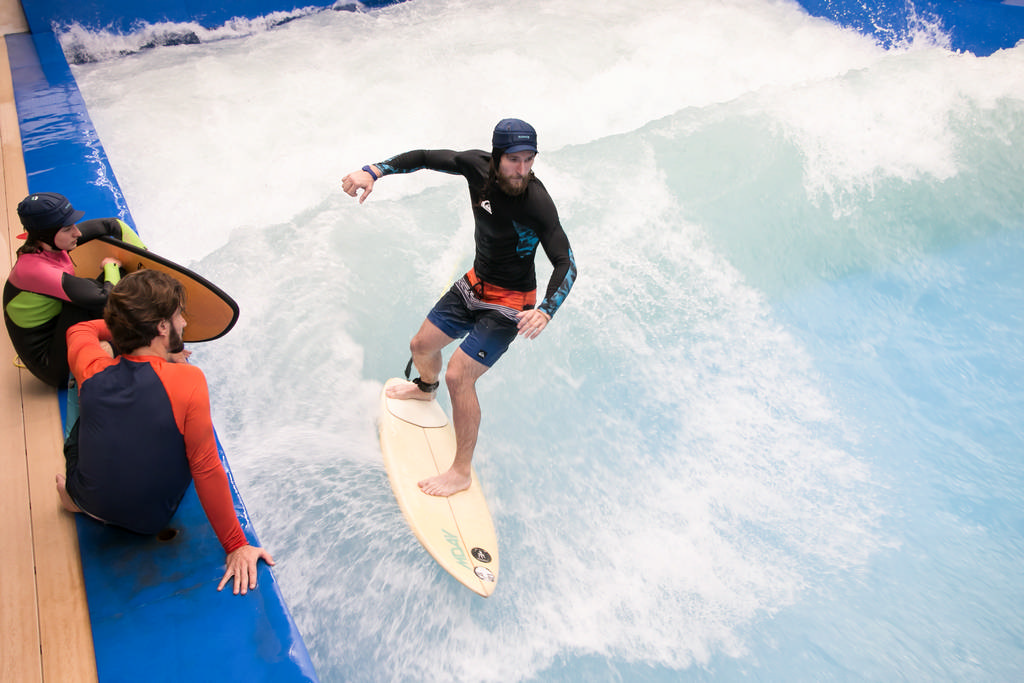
(497, 299)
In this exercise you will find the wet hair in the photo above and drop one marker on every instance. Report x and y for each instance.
(138, 304)
(37, 238)
(31, 246)
(492, 171)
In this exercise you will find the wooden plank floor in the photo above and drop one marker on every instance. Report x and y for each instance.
(45, 633)
(12, 18)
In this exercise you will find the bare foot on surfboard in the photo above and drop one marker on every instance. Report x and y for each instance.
(404, 390)
(447, 484)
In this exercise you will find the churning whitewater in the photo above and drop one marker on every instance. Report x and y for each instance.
(720, 460)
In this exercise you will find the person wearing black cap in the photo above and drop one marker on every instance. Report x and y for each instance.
(42, 295)
(497, 298)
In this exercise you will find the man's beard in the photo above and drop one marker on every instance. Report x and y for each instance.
(506, 186)
(175, 344)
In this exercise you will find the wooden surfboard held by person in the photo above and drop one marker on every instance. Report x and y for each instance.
(210, 312)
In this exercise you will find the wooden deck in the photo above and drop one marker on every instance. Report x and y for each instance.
(45, 633)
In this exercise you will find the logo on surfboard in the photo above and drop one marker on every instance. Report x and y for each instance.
(456, 548)
(479, 554)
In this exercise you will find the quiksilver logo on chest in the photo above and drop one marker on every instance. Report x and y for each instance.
(486, 205)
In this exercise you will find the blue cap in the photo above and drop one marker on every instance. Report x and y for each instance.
(514, 135)
(45, 212)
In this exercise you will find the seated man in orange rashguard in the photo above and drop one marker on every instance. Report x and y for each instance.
(145, 431)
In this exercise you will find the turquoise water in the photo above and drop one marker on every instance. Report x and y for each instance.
(773, 434)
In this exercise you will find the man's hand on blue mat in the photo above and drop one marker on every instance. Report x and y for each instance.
(241, 564)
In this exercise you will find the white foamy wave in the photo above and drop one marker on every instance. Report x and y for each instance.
(86, 45)
(667, 466)
(662, 459)
(855, 131)
(922, 29)
(437, 80)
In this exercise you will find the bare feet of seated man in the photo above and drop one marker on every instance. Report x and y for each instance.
(65, 499)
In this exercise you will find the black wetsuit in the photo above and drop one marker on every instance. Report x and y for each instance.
(508, 229)
(43, 298)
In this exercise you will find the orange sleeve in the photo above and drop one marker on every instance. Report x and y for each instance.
(190, 400)
(85, 355)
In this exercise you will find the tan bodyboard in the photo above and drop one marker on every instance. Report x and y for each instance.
(418, 441)
(209, 311)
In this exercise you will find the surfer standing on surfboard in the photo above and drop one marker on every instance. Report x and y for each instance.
(496, 299)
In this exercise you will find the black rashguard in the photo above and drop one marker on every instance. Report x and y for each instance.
(508, 229)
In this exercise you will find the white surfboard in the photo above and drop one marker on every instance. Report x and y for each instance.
(418, 441)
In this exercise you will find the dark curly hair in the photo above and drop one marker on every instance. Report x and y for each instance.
(138, 304)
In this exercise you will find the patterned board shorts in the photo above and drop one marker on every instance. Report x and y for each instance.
(484, 314)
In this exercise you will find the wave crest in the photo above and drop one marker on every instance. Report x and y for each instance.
(88, 45)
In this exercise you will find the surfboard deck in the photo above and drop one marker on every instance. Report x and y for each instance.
(418, 441)
(209, 311)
